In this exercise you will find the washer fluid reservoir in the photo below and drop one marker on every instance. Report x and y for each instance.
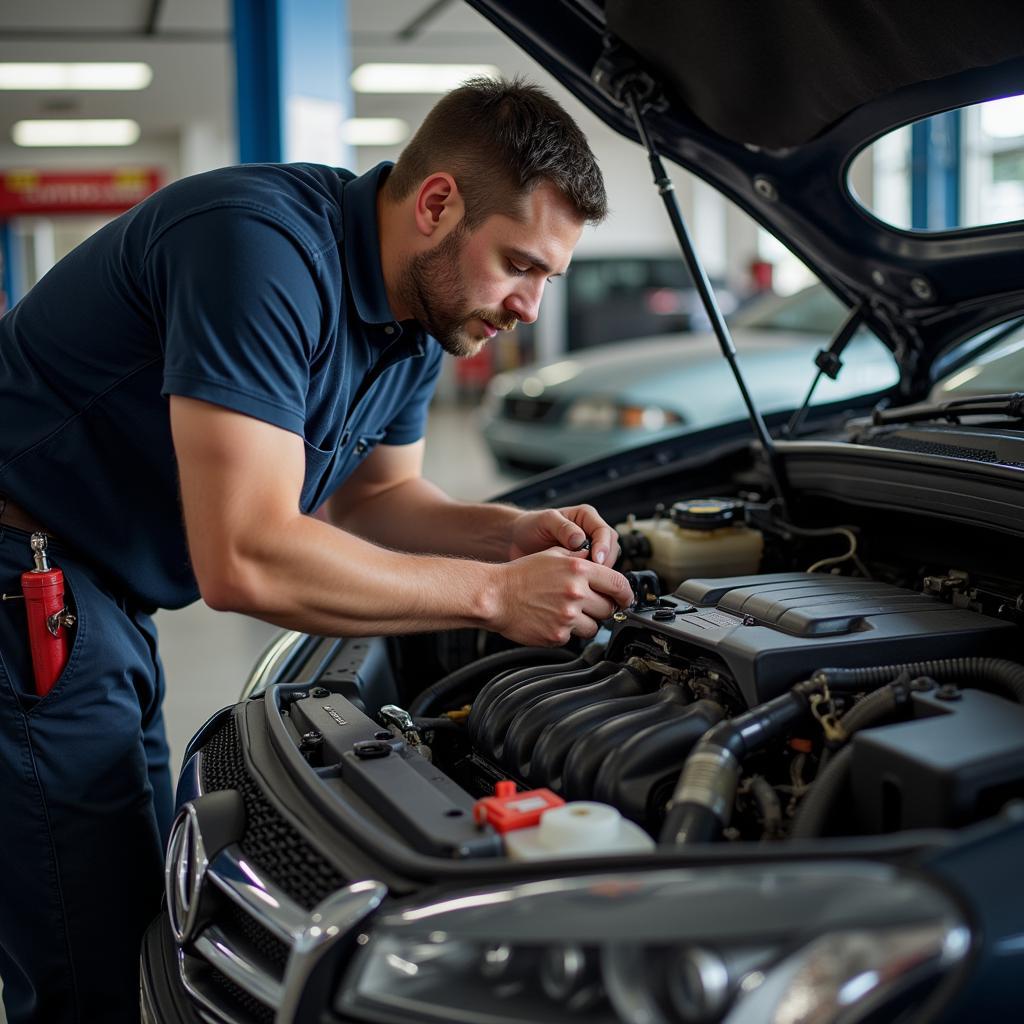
(703, 537)
(580, 828)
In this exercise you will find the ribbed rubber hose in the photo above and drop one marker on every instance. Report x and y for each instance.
(463, 679)
(997, 673)
(768, 805)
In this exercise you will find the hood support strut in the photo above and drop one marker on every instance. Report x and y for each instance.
(634, 93)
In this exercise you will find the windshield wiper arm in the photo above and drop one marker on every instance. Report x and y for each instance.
(1011, 405)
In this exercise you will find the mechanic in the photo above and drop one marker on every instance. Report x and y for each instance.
(241, 349)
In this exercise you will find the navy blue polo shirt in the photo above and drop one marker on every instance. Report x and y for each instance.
(258, 288)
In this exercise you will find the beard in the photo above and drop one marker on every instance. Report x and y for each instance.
(432, 287)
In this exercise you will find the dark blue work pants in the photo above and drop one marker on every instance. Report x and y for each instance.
(85, 803)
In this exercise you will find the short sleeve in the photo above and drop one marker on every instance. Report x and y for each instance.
(411, 422)
(242, 313)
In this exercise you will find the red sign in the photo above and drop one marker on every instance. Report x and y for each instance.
(43, 192)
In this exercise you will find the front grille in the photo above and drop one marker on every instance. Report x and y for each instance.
(257, 895)
(236, 921)
(527, 410)
(272, 843)
(235, 996)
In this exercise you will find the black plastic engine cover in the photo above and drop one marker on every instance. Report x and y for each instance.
(955, 762)
(769, 632)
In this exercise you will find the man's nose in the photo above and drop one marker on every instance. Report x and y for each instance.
(524, 302)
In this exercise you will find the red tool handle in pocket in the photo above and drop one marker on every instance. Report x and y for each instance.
(44, 602)
(48, 618)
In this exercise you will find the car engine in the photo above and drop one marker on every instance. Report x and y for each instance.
(761, 706)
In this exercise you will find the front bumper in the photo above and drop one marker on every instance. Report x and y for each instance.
(162, 996)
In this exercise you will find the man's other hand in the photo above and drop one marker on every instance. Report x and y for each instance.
(550, 596)
(566, 528)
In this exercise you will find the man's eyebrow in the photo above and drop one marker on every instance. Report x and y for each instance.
(532, 258)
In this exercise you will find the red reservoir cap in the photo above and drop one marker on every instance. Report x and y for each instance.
(508, 810)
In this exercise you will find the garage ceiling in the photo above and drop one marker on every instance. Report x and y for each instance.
(188, 44)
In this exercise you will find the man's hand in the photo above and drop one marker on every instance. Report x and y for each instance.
(565, 528)
(548, 597)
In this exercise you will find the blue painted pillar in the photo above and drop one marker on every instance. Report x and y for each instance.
(935, 160)
(11, 280)
(292, 67)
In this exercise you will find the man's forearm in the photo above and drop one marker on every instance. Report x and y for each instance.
(419, 517)
(314, 577)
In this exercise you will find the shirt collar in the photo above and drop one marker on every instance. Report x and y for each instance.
(362, 246)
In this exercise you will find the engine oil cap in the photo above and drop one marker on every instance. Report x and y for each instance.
(707, 513)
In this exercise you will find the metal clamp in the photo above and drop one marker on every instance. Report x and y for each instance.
(823, 710)
(399, 719)
(55, 621)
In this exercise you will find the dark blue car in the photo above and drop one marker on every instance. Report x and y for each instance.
(787, 784)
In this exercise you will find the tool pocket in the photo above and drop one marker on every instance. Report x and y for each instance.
(15, 653)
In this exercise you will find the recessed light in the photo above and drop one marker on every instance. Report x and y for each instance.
(412, 78)
(109, 132)
(42, 76)
(374, 131)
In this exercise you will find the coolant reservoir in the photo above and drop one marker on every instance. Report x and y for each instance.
(705, 537)
(578, 828)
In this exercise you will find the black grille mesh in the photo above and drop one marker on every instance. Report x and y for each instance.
(270, 948)
(255, 1010)
(270, 841)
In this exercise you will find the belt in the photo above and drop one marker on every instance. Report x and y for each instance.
(13, 515)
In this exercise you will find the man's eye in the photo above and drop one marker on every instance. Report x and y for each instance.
(517, 271)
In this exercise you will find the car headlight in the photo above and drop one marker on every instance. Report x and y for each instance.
(794, 944)
(605, 414)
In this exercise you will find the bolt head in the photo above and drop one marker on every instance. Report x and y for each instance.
(922, 289)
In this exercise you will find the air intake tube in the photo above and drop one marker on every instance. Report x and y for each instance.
(703, 797)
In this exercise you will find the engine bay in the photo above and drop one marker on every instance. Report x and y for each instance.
(817, 699)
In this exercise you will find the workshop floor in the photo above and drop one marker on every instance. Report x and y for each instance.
(208, 654)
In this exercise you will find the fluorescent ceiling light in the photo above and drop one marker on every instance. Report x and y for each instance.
(121, 76)
(410, 78)
(111, 132)
(374, 131)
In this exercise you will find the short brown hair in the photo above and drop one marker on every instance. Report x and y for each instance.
(499, 140)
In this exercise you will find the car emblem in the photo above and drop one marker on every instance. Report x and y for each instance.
(184, 872)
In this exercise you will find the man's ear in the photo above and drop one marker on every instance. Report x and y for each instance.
(439, 205)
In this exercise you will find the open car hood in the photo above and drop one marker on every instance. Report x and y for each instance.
(770, 102)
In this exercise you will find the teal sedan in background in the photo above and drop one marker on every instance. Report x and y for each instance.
(615, 396)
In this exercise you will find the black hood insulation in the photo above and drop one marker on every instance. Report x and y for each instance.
(777, 73)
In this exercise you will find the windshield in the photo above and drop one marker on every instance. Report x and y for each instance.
(998, 370)
(813, 310)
